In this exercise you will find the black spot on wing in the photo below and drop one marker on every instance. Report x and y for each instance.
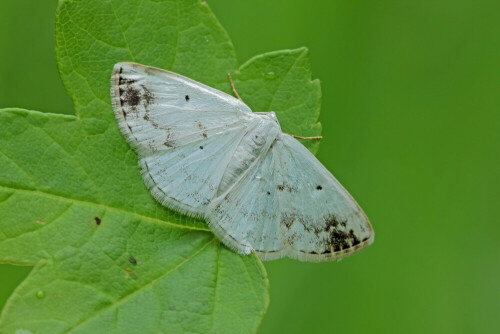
(186, 98)
(319, 187)
(355, 240)
(338, 237)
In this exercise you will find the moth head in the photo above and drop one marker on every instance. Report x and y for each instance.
(270, 115)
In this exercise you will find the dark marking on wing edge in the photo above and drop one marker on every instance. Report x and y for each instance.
(125, 81)
(132, 260)
(338, 238)
(131, 96)
(97, 221)
(354, 238)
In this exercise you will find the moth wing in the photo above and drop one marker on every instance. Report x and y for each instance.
(290, 205)
(183, 131)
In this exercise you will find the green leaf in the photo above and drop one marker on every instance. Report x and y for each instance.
(281, 82)
(107, 257)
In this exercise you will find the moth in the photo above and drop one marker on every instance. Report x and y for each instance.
(206, 154)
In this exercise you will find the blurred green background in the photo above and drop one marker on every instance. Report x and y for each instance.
(411, 119)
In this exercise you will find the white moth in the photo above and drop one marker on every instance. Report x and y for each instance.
(206, 154)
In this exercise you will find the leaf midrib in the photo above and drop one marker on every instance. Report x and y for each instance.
(124, 298)
(106, 207)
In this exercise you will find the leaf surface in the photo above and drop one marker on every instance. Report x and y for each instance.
(107, 257)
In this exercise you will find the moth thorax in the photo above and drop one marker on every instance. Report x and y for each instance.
(253, 145)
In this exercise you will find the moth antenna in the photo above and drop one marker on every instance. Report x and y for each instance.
(234, 89)
(306, 138)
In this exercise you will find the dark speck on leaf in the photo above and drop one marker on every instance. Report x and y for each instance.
(132, 260)
(186, 97)
(97, 221)
(130, 273)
